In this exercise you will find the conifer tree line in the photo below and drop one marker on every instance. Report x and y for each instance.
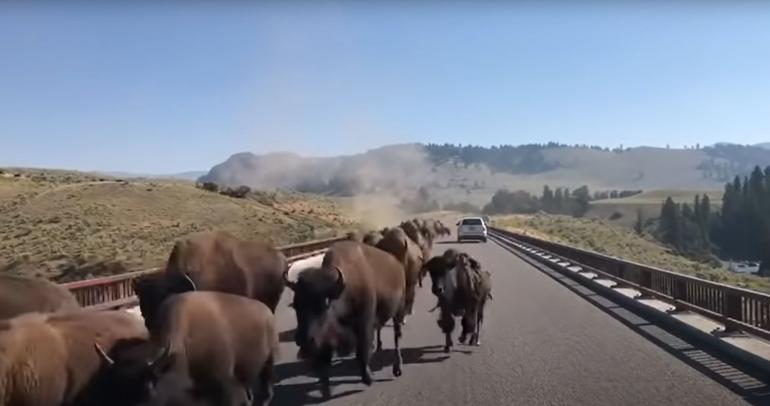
(558, 201)
(739, 231)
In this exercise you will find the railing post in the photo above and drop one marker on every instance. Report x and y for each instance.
(645, 277)
(732, 309)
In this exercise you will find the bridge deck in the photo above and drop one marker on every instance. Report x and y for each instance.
(543, 343)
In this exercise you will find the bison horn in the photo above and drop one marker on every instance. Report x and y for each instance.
(103, 354)
(340, 285)
(190, 281)
(249, 395)
(166, 352)
(287, 282)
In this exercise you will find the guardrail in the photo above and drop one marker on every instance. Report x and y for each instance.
(115, 292)
(738, 309)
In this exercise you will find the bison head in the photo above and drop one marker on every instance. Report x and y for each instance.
(318, 311)
(444, 273)
(152, 290)
(130, 376)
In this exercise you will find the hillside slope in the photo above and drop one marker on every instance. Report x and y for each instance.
(473, 174)
(86, 226)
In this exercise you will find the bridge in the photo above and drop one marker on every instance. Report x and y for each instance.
(566, 326)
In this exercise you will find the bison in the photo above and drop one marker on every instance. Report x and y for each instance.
(215, 261)
(397, 243)
(20, 295)
(440, 229)
(462, 289)
(373, 237)
(53, 359)
(353, 236)
(206, 348)
(415, 232)
(357, 289)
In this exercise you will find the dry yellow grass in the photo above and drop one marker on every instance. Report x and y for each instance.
(69, 226)
(600, 236)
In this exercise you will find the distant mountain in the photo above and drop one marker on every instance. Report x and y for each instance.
(454, 173)
(192, 175)
(765, 145)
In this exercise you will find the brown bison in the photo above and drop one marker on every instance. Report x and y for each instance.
(373, 238)
(406, 251)
(53, 359)
(462, 289)
(206, 348)
(353, 236)
(20, 295)
(415, 232)
(215, 261)
(357, 289)
(440, 229)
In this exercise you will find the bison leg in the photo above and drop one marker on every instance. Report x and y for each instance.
(447, 324)
(379, 339)
(364, 351)
(396, 343)
(266, 383)
(323, 366)
(410, 292)
(479, 320)
(469, 323)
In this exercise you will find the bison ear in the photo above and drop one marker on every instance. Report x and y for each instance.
(103, 355)
(339, 285)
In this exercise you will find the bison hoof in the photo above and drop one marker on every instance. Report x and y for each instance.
(396, 371)
(462, 339)
(367, 380)
(326, 391)
(447, 348)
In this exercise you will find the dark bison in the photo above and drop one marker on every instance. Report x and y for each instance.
(206, 348)
(52, 359)
(215, 261)
(20, 295)
(462, 289)
(357, 289)
(406, 251)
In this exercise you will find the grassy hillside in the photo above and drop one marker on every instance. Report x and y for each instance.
(648, 202)
(600, 236)
(68, 226)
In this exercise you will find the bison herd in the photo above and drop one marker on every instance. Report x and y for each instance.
(209, 335)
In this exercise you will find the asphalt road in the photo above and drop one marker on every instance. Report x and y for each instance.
(542, 344)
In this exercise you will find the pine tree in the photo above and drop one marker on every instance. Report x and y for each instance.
(639, 224)
(669, 223)
(705, 219)
(547, 200)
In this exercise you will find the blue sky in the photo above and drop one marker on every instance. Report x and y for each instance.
(167, 88)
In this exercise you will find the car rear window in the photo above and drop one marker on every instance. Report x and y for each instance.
(472, 222)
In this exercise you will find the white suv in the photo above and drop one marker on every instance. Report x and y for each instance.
(471, 228)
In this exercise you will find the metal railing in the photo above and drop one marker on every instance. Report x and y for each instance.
(115, 292)
(738, 309)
